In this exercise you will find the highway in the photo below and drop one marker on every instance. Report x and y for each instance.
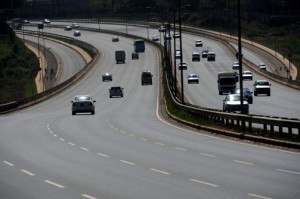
(127, 149)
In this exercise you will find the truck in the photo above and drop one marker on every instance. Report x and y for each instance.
(227, 81)
(146, 77)
(139, 45)
(120, 56)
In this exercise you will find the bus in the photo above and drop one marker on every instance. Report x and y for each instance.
(139, 45)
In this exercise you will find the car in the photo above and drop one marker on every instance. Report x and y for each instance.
(196, 56)
(262, 66)
(204, 53)
(247, 94)
(134, 55)
(77, 33)
(47, 21)
(25, 21)
(198, 43)
(68, 28)
(176, 35)
(182, 66)
(232, 103)
(116, 91)
(115, 39)
(247, 75)
(177, 54)
(146, 77)
(107, 77)
(83, 104)
(75, 25)
(211, 56)
(155, 38)
(162, 29)
(235, 65)
(262, 87)
(168, 36)
(193, 78)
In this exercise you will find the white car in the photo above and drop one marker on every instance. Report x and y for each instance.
(193, 78)
(232, 103)
(176, 35)
(262, 87)
(235, 65)
(155, 38)
(177, 54)
(47, 21)
(75, 25)
(198, 43)
(262, 66)
(247, 75)
(83, 104)
(107, 77)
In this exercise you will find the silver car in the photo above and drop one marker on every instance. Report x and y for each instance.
(107, 77)
(193, 78)
(232, 103)
(83, 104)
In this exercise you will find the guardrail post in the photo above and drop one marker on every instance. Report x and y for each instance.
(265, 129)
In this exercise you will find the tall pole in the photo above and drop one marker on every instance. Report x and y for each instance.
(240, 55)
(175, 76)
(181, 54)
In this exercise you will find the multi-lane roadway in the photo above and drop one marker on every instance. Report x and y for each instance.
(127, 150)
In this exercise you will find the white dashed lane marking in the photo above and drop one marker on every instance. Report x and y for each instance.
(88, 196)
(258, 196)
(208, 155)
(243, 162)
(205, 183)
(127, 162)
(103, 155)
(287, 171)
(27, 172)
(160, 171)
(54, 184)
(8, 163)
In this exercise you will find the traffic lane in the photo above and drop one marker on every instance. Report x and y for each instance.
(71, 61)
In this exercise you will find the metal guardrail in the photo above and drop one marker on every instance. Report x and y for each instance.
(284, 126)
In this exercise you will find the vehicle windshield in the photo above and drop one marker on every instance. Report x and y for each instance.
(82, 98)
(263, 83)
(227, 81)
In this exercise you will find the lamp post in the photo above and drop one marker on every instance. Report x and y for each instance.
(181, 54)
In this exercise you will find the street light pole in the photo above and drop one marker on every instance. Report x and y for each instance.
(181, 54)
(240, 55)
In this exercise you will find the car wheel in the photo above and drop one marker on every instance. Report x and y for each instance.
(73, 113)
(255, 93)
(93, 112)
(269, 94)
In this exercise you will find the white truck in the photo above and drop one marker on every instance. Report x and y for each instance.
(227, 81)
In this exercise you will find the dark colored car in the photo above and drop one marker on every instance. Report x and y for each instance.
(247, 94)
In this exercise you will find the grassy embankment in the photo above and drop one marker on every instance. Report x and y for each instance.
(18, 67)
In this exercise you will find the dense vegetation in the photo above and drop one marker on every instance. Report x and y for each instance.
(18, 66)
